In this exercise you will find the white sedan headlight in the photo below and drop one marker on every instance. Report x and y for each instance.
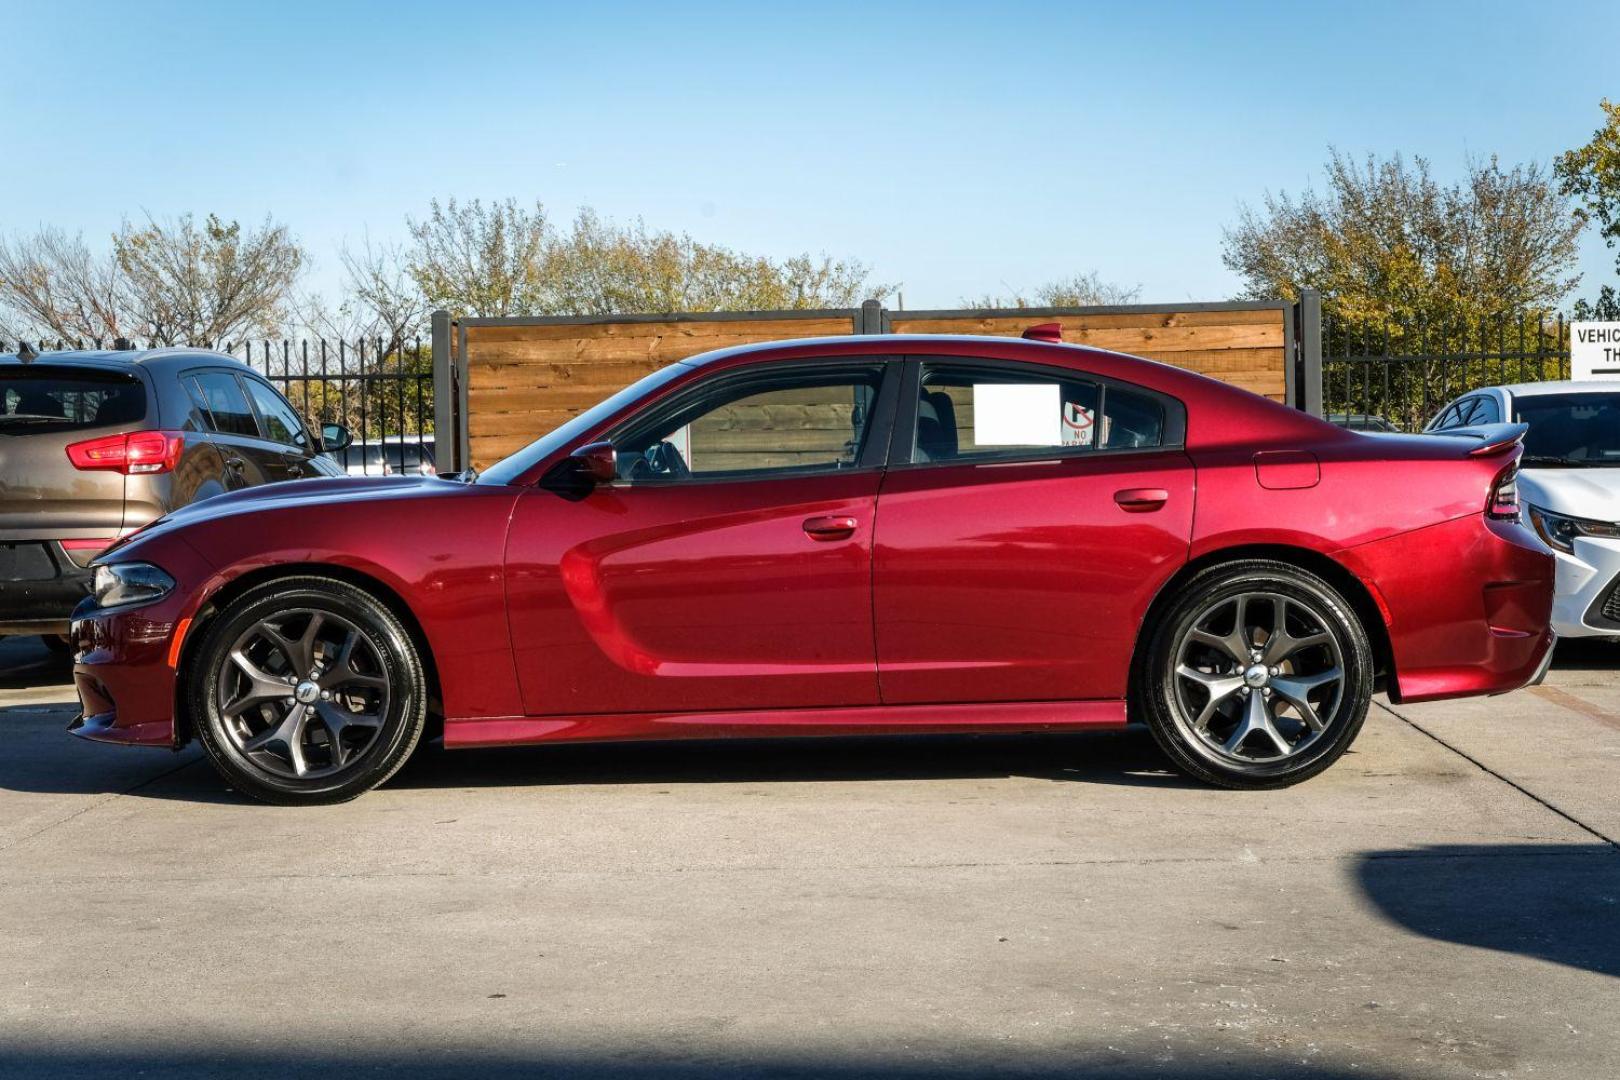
(124, 584)
(1560, 530)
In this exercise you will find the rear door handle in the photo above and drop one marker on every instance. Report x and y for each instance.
(1141, 500)
(830, 527)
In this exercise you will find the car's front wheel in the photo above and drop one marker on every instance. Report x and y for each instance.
(1258, 675)
(307, 690)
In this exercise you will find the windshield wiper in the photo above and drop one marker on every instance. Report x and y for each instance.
(34, 418)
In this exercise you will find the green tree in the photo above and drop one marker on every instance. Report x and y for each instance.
(1386, 242)
(1590, 175)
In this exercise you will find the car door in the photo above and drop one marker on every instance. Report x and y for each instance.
(290, 450)
(1028, 516)
(233, 427)
(729, 566)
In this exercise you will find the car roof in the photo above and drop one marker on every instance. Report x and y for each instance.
(123, 359)
(902, 344)
(1563, 386)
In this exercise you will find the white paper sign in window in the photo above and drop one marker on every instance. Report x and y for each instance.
(1017, 414)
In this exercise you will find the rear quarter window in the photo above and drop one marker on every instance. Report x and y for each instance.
(63, 399)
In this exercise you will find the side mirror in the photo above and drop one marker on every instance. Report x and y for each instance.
(597, 462)
(335, 437)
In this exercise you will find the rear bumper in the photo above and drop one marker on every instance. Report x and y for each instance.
(41, 601)
(1467, 605)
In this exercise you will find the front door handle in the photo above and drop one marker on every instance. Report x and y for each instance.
(830, 527)
(1141, 500)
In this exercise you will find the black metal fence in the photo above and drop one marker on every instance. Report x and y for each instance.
(1404, 371)
(382, 393)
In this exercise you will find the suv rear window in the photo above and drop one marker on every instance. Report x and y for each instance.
(68, 399)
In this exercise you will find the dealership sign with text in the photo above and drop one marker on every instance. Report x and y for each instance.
(1594, 350)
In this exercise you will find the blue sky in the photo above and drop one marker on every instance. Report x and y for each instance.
(958, 149)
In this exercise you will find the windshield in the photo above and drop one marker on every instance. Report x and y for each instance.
(1571, 430)
(510, 468)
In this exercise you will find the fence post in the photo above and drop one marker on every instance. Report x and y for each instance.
(871, 318)
(1308, 312)
(446, 446)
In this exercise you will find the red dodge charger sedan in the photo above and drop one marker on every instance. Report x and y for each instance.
(852, 535)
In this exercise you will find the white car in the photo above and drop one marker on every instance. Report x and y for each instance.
(1569, 487)
(392, 455)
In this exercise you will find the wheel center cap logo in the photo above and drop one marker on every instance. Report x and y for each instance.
(1256, 675)
(306, 692)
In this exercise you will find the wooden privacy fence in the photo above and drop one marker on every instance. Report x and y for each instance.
(516, 378)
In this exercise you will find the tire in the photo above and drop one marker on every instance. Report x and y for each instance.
(1237, 705)
(360, 708)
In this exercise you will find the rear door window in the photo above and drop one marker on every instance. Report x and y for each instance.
(62, 399)
(974, 411)
(224, 403)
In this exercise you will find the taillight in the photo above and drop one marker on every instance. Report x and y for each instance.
(82, 551)
(134, 454)
(1504, 501)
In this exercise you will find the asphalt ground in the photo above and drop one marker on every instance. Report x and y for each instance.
(1444, 902)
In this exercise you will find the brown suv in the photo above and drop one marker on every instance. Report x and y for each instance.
(93, 445)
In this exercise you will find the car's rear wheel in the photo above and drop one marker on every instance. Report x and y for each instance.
(307, 690)
(1258, 675)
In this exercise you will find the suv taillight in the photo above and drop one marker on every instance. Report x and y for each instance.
(1504, 501)
(134, 454)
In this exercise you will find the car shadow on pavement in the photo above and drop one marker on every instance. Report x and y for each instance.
(631, 1063)
(1127, 758)
(1554, 902)
(42, 757)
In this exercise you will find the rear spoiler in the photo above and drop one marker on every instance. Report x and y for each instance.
(1493, 439)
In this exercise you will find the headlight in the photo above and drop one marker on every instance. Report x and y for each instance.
(1559, 531)
(122, 584)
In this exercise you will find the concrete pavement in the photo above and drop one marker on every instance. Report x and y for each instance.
(1442, 903)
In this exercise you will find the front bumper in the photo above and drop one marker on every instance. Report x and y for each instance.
(125, 661)
(121, 671)
(1587, 579)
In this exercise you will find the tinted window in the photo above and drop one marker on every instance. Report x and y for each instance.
(1487, 412)
(809, 420)
(970, 411)
(227, 406)
(63, 400)
(281, 424)
(1446, 419)
(1571, 429)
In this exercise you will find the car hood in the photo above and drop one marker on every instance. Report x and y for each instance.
(1586, 493)
(325, 491)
